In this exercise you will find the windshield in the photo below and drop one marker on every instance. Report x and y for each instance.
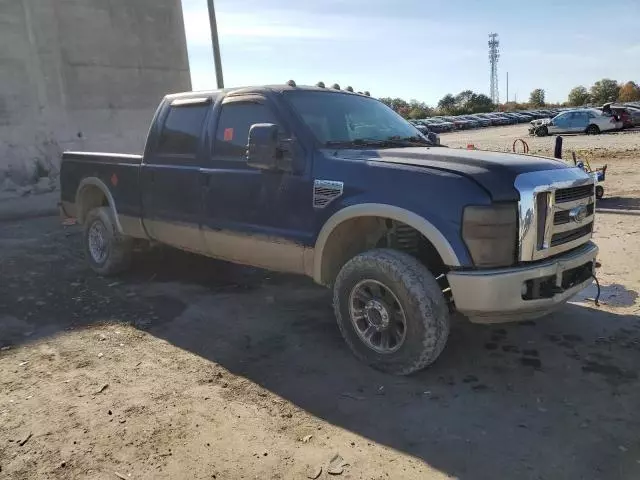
(338, 119)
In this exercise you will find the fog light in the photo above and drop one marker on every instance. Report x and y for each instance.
(524, 289)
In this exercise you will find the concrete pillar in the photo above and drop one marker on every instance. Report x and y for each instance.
(83, 74)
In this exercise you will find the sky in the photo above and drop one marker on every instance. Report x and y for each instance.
(417, 49)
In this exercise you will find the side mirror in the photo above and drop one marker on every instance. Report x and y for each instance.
(263, 149)
(434, 138)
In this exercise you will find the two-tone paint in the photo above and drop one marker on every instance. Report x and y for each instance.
(275, 220)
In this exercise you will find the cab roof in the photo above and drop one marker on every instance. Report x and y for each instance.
(249, 90)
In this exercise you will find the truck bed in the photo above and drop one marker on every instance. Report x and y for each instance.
(118, 172)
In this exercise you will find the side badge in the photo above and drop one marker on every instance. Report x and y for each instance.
(326, 191)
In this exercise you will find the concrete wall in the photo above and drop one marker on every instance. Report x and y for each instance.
(83, 74)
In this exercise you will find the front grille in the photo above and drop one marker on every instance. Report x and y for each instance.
(569, 236)
(562, 217)
(574, 193)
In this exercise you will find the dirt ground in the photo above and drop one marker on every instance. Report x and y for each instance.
(191, 368)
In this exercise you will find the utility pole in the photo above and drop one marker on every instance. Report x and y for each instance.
(507, 88)
(216, 44)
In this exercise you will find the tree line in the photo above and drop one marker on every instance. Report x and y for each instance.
(603, 91)
(468, 102)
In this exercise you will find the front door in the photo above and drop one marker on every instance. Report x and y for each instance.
(253, 216)
(170, 178)
(561, 123)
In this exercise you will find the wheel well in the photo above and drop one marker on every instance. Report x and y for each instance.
(360, 234)
(90, 197)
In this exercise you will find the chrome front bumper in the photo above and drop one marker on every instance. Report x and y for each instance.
(495, 296)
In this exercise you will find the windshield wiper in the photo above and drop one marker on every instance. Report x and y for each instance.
(413, 139)
(395, 141)
(356, 142)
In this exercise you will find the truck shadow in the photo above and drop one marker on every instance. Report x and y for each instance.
(629, 204)
(555, 398)
(512, 401)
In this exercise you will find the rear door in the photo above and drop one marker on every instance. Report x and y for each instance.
(170, 178)
(579, 122)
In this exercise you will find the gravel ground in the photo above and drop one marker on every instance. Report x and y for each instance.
(502, 138)
(191, 368)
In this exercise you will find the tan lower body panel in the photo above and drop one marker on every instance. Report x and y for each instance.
(258, 251)
(132, 226)
(179, 235)
(253, 250)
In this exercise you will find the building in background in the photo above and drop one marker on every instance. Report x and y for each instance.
(83, 74)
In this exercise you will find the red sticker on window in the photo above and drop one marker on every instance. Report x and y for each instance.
(228, 134)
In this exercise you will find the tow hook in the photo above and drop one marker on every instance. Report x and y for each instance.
(596, 300)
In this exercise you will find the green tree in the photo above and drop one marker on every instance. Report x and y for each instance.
(578, 96)
(480, 104)
(536, 98)
(447, 104)
(605, 90)
(629, 92)
(419, 109)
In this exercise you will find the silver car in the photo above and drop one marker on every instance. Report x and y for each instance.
(589, 121)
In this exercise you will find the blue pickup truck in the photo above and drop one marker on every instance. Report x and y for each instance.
(336, 186)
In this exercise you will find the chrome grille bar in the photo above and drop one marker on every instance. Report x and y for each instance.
(560, 200)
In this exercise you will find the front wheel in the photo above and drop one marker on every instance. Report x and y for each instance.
(542, 131)
(599, 191)
(593, 130)
(391, 311)
(106, 251)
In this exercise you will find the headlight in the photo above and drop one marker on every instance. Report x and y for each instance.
(490, 234)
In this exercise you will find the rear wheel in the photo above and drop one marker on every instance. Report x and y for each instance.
(391, 311)
(106, 251)
(542, 131)
(593, 130)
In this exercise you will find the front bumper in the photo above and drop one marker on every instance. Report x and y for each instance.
(496, 296)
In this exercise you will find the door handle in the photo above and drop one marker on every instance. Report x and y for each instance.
(205, 179)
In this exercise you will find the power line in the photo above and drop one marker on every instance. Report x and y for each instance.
(494, 55)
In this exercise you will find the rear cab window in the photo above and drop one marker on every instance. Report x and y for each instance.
(182, 130)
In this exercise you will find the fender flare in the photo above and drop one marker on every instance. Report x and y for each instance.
(96, 182)
(426, 228)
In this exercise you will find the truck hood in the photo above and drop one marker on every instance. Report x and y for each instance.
(541, 121)
(496, 172)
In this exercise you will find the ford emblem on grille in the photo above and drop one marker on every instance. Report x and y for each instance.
(578, 214)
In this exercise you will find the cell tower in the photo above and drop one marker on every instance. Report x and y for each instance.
(494, 55)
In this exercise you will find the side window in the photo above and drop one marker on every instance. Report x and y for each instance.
(561, 119)
(235, 121)
(182, 129)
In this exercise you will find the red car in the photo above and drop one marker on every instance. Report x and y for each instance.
(621, 113)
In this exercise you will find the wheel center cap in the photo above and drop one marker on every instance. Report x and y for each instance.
(377, 314)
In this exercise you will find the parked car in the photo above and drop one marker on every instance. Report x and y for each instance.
(337, 186)
(477, 121)
(635, 115)
(472, 122)
(438, 126)
(620, 112)
(502, 120)
(458, 122)
(515, 116)
(493, 119)
(590, 121)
